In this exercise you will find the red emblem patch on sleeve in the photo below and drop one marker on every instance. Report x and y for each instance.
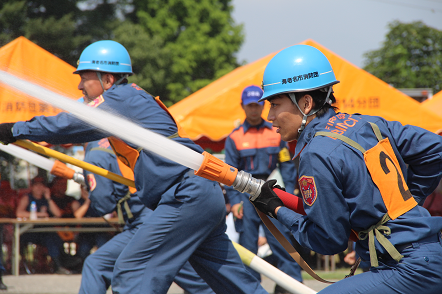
(91, 181)
(308, 189)
(97, 101)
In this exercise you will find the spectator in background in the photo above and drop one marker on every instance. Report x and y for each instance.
(46, 207)
(41, 194)
(58, 189)
(255, 147)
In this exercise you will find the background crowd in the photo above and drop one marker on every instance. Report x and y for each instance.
(66, 249)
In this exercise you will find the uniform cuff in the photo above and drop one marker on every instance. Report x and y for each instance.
(288, 217)
(19, 128)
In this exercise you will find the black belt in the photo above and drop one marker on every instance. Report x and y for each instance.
(431, 239)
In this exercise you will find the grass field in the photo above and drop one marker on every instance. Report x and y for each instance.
(338, 274)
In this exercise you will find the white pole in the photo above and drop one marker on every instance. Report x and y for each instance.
(111, 123)
(261, 266)
(31, 157)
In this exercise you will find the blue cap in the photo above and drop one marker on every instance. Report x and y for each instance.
(252, 94)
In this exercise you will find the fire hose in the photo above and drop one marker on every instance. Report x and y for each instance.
(56, 168)
(247, 256)
(206, 165)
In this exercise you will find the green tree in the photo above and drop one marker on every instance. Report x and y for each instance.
(50, 26)
(410, 57)
(180, 46)
(176, 46)
(63, 27)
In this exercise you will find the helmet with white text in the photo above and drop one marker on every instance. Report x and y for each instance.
(105, 56)
(299, 68)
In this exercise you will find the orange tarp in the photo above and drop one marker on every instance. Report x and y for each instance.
(214, 110)
(26, 60)
(434, 104)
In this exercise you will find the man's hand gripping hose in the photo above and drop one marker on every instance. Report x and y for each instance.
(215, 169)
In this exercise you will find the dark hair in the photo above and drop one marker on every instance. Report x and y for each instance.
(56, 180)
(38, 179)
(319, 99)
(116, 76)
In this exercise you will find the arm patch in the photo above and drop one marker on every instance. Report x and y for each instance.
(284, 155)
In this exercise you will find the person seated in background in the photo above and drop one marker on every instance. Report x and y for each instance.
(58, 189)
(46, 207)
(41, 195)
(87, 241)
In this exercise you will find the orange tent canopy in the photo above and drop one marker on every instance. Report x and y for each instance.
(28, 61)
(214, 110)
(434, 104)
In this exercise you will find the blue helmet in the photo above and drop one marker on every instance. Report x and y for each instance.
(105, 56)
(298, 68)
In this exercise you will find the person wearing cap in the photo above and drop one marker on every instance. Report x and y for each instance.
(188, 221)
(357, 173)
(46, 207)
(256, 148)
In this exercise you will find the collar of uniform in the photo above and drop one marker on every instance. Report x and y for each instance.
(265, 124)
(310, 131)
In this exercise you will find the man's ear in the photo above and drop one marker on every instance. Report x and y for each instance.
(108, 81)
(307, 103)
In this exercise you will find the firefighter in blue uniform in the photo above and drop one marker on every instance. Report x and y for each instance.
(188, 218)
(356, 172)
(256, 148)
(107, 196)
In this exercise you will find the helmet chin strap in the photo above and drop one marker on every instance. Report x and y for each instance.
(101, 82)
(121, 79)
(305, 116)
(116, 83)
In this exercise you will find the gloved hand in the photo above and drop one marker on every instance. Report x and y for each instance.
(268, 201)
(6, 136)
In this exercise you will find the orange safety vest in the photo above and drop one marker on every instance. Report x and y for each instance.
(385, 172)
(128, 156)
